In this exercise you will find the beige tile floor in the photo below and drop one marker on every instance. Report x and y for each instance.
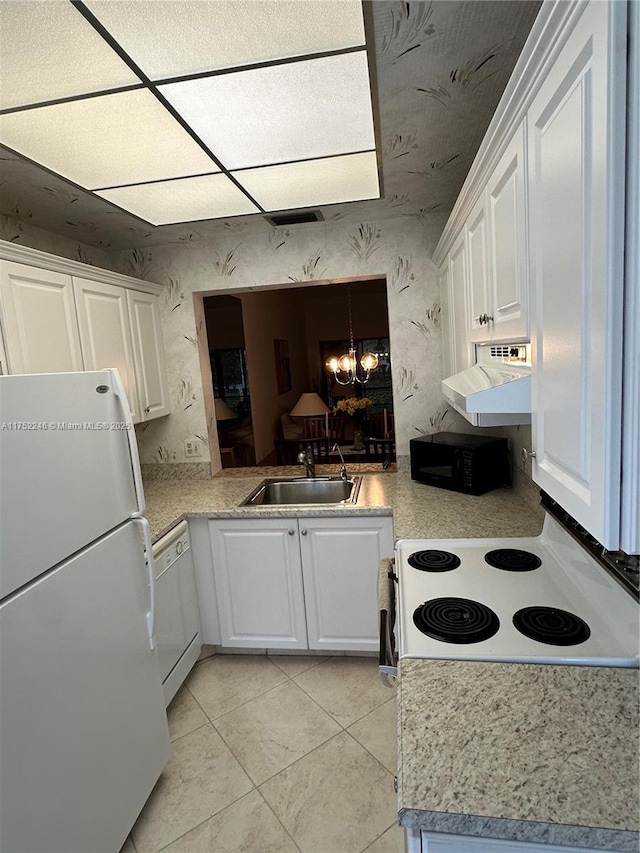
(277, 755)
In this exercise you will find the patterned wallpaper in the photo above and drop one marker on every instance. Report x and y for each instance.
(442, 66)
(398, 248)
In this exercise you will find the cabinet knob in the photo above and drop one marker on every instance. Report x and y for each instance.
(147, 409)
(528, 454)
(304, 532)
(290, 532)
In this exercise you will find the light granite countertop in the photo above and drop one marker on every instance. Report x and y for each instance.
(419, 511)
(545, 754)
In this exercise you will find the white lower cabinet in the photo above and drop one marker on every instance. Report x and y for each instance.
(340, 568)
(258, 578)
(307, 583)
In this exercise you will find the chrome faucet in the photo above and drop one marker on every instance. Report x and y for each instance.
(343, 467)
(305, 457)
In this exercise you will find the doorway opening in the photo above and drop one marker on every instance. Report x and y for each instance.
(269, 346)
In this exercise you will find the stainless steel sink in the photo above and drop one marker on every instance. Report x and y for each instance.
(291, 491)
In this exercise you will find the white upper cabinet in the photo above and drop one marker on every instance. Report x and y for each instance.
(105, 333)
(478, 290)
(576, 183)
(460, 345)
(149, 354)
(508, 290)
(496, 240)
(39, 320)
(448, 358)
(59, 316)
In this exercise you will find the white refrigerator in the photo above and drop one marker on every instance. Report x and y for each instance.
(83, 729)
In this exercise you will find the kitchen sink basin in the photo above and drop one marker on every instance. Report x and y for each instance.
(291, 491)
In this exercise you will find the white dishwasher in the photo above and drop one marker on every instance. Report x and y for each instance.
(177, 618)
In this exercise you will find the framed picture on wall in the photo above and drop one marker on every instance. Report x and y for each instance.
(283, 366)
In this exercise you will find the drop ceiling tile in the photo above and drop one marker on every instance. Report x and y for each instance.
(50, 51)
(297, 111)
(123, 138)
(337, 179)
(178, 38)
(184, 200)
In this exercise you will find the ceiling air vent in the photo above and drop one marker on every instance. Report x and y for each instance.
(282, 219)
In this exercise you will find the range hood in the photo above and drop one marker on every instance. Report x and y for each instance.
(496, 391)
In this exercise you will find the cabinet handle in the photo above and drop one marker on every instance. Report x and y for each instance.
(528, 454)
(290, 532)
(304, 532)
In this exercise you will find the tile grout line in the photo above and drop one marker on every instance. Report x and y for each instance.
(268, 805)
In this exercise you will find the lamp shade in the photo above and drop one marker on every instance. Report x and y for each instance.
(309, 404)
(223, 411)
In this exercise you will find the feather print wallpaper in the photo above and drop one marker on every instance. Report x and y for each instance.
(323, 250)
(441, 67)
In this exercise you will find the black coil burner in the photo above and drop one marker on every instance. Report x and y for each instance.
(456, 620)
(552, 626)
(512, 560)
(434, 561)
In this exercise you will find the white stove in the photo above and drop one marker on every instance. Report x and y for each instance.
(541, 599)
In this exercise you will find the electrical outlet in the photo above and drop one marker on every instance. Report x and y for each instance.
(192, 447)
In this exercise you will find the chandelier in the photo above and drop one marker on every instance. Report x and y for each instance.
(345, 368)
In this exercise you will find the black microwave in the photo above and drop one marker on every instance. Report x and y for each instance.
(463, 463)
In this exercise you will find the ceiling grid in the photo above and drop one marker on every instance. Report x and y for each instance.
(172, 134)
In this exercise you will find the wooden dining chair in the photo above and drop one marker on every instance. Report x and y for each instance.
(380, 449)
(315, 427)
(287, 449)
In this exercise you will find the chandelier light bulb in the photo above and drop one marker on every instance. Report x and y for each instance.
(345, 368)
(347, 362)
(369, 361)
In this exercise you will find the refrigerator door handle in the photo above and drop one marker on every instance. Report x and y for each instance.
(119, 391)
(151, 615)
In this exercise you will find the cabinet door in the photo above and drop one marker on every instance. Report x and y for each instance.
(256, 566)
(448, 335)
(39, 320)
(340, 559)
(478, 295)
(461, 347)
(508, 279)
(105, 333)
(576, 169)
(151, 374)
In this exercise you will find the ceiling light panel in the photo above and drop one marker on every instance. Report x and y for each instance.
(123, 138)
(296, 111)
(180, 38)
(186, 200)
(337, 179)
(50, 51)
